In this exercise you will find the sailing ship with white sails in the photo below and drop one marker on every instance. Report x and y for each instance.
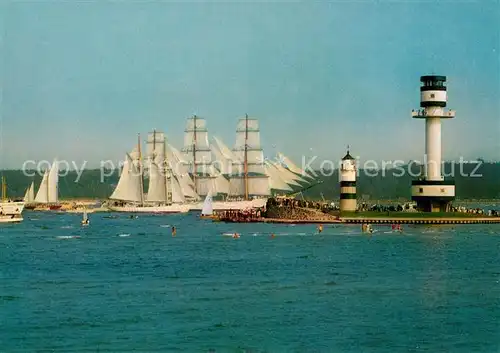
(239, 178)
(198, 155)
(250, 179)
(164, 192)
(47, 196)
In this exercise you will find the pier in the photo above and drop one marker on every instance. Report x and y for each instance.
(421, 220)
(375, 220)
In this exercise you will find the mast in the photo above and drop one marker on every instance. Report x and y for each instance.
(246, 158)
(48, 182)
(154, 144)
(140, 168)
(165, 167)
(4, 189)
(194, 152)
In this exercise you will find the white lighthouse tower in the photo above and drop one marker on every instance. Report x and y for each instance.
(431, 192)
(348, 184)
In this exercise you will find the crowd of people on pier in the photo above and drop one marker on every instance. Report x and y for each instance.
(479, 211)
(250, 215)
(294, 203)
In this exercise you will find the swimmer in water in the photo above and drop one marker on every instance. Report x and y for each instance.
(236, 235)
(320, 228)
(272, 235)
(174, 231)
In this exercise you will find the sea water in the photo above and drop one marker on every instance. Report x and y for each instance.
(125, 284)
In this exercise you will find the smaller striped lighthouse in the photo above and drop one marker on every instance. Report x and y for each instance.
(348, 184)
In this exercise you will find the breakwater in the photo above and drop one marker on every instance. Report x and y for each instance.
(291, 212)
(422, 220)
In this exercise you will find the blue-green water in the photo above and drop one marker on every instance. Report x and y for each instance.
(127, 284)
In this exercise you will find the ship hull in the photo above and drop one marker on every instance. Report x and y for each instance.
(151, 209)
(232, 205)
(10, 212)
(11, 218)
(11, 208)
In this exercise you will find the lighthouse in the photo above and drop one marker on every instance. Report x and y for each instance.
(431, 191)
(348, 184)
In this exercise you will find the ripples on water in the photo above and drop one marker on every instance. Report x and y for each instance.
(126, 284)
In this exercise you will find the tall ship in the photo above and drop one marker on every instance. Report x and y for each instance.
(47, 196)
(202, 168)
(164, 191)
(10, 211)
(251, 179)
(248, 179)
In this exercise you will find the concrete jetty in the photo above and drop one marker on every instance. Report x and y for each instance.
(421, 220)
(378, 220)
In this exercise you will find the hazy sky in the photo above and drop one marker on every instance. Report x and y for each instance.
(79, 80)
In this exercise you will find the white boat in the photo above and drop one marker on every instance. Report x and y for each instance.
(10, 211)
(164, 194)
(207, 210)
(152, 209)
(47, 196)
(29, 196)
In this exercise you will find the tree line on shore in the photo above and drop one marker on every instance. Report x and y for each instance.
(472, 182)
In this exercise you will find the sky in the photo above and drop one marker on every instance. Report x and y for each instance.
(79, 80)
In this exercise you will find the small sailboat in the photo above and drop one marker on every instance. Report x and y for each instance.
(47, 197)
(85, 219)
(207, 210)
(29, 197)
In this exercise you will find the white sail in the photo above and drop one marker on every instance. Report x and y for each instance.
(226, 152)
(198, 154)
(26, 195)
(42, 196)
(221, 163)
(155, 146)
(157, 190)
(180, 169)
(177, 194)
(221, 184)
(276, 182)
(30, 193)
(288, 176)
(247, 147)
(53, 180)
(178, 165)
(204, 184)
(292, 166)
(186, 185)
(129, 187)
(85, 217)
(257, 186)
(207, 209)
